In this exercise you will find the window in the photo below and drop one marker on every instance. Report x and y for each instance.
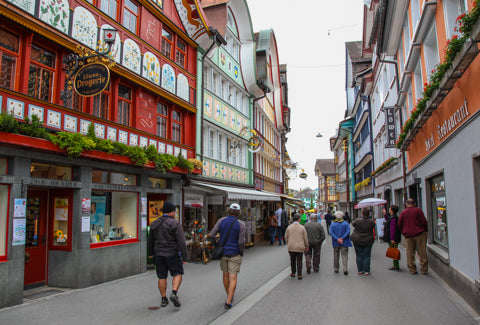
(50, 171)
(107, 177)
(167, 44)
(3, 221)
(221, 141)
(130, 16)
(439, 211)
(9, 47)
(211, 143)
(101, 103)
(41, 73)
(401, 58)
(209, 78)
(176, 126)
(162, 118)
(124, 105)
(109, 7)
(3, 166)
(406, 35)
(415, 13)
(73, 101)
(431, 50)
(181, 53)
(452, 9)
(417, 75)
(113, 216)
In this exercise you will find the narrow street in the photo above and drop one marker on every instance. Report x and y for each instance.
(265, 295)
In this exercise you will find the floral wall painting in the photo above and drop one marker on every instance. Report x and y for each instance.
(131, 56)
(151, 68)
(84, 27)
(168, 78)
(115, 50)
(27, 5)
(182, 87)
(55, 13)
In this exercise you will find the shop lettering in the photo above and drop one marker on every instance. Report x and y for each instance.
(452, 122)
(429, 143)
(90, 80)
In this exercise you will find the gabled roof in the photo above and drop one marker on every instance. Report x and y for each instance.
(325, 167)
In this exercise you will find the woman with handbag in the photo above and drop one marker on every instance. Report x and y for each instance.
(363, 238)
(392, 235)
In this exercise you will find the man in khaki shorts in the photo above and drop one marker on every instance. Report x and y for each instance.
(232, 249)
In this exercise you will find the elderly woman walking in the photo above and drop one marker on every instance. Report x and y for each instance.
(362, 238)
(297, 243)
(340, 232)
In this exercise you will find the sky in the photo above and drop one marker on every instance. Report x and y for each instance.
(311, 36)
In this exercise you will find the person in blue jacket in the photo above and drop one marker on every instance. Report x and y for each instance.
(340, 232)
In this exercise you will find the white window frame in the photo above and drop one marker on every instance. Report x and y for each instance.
(418, 79)
(430, 44)
(415, 6)
(406, 35)
(452, 9)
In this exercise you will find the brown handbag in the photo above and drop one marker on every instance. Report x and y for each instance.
(393, 253)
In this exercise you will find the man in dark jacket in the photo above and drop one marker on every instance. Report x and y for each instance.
(413, 225)
(232, 249)
(328, 219)
(316, 236)
(165, 242)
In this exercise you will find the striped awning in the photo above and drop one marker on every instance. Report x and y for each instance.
(237, 193)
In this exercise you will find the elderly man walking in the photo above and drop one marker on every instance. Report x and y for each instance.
(316, 236)
(413, 225)
(340, 232)
(297, 243)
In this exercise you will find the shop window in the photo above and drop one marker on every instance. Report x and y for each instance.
(157, 182)
(9, 48)
(101, 103)
(3, 166)
(130, 16)
(61, 222)
(41, 73)
(181, 53)
(439, 211)
(107, 177)
(162, 118)
(113, 216)
(51, 171)
(3, 221)
(124, 105)
(167, 43)
(176, 126)
(109, 7)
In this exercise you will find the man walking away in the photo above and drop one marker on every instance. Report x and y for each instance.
(413, 225)
(167, 245)
(340, 232)
(297, 242)
(316, 236)
(232, 249)
(278, 215)
(284, 223)
(328, 220)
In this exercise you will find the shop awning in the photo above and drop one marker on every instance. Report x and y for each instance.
(236, 193)
(292, 200)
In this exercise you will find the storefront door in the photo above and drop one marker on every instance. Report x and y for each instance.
(36, 237)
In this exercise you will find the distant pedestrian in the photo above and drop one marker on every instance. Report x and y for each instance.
(272, 226)
(297, 243)
(316, 236)
(279, 216)
(232, 249)
(347, 218)
(340, 232)
(363, 239)
(166, 243)
(284, 224)
(392, 234)
(328, 219)
(413, 225)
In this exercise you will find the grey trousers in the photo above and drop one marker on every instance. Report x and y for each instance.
(336, 256)
(313, 250)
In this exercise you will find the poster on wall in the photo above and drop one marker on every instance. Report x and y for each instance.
(61, 208)
(20, 208)
(86, 205)
(19, 231)
(154, 210)
(98, 210)
(85, 223)
(144, 206)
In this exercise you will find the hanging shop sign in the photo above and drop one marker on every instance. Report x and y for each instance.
(91, 79)
(390, 127)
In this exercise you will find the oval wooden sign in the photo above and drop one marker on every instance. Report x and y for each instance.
(91, 79)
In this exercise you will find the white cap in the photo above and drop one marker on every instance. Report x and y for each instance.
(235, 206)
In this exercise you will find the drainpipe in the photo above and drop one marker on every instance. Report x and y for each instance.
(253, 127)
(404, 166)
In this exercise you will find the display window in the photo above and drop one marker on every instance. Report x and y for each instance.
(61, 220)
(51, 171)
(107, 177)
(3, 166)
(3, 221)
(113, 218)
(439, 211)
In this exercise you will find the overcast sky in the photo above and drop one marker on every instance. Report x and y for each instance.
(311, 36)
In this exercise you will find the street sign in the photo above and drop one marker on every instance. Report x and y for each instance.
(390, 127)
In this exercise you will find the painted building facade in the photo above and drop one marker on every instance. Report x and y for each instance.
(83, 221)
